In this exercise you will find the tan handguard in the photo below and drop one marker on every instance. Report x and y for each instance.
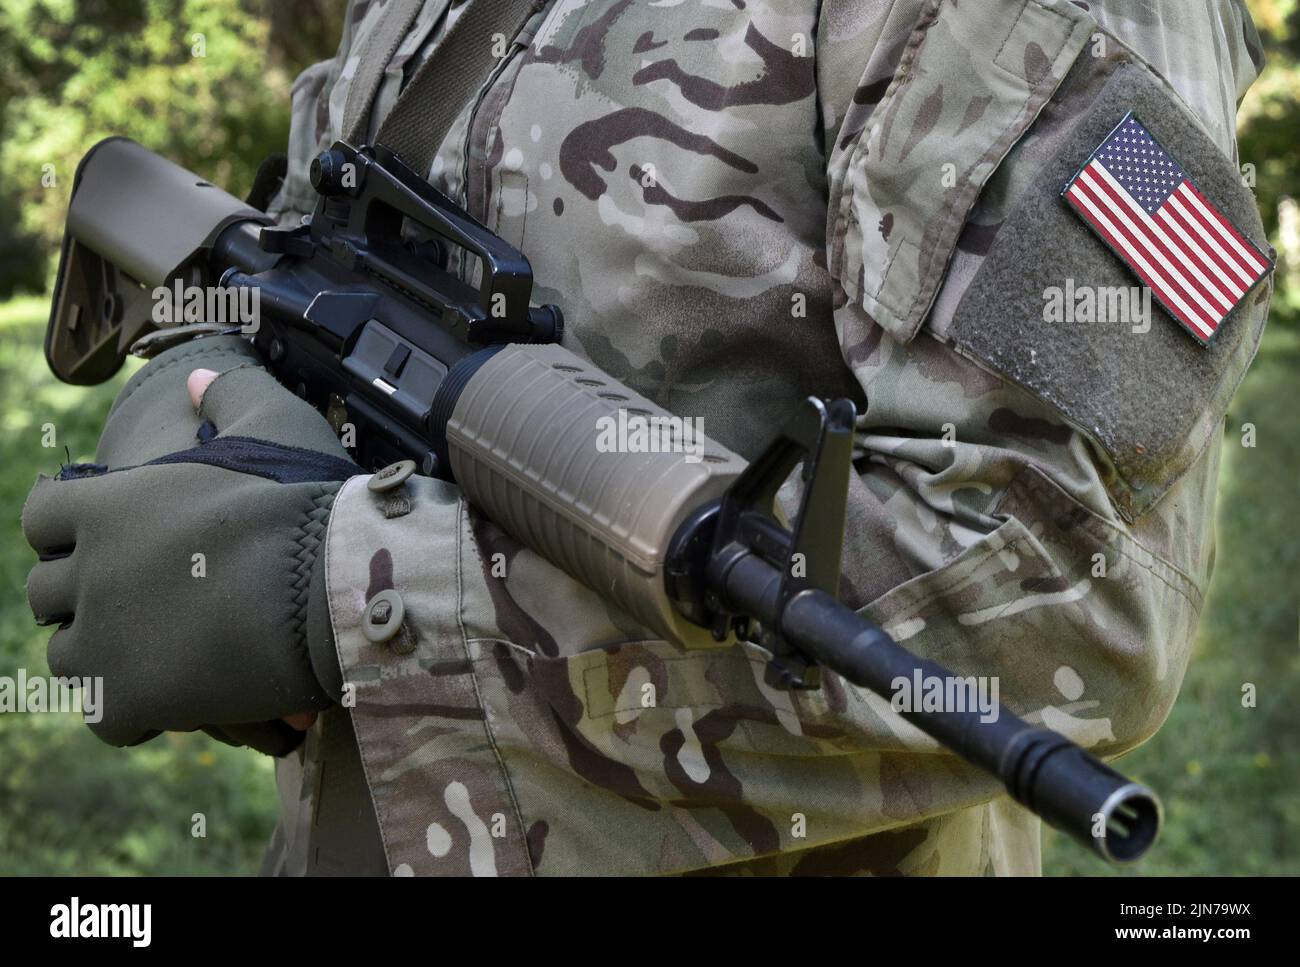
(596, 478)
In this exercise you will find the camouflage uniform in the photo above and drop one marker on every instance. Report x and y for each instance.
(738, 204)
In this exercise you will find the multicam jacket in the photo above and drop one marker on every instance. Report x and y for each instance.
(738, 203)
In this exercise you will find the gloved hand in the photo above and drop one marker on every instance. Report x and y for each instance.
(184, 567)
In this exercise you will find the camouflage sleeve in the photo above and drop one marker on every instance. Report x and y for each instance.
(511, 723)
(1033, 506)
(1037, 493)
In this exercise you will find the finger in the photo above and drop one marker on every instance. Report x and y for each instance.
(122, 721)
(161, 376)
(48, 519)
(52, 591)
(301, 721)
(119, 721)
(198, 383)
(153, 415)
(249, 402)
(139, 740)
(270, 738)
(63, 654)
(123, 736)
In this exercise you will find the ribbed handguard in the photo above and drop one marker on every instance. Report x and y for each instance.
(535, 442)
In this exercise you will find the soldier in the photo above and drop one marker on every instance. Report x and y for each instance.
(736, 205)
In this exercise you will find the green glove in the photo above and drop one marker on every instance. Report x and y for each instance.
(187, 572)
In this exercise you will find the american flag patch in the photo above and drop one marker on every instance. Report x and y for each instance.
(1134, 195)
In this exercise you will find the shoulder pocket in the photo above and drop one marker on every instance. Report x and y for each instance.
(933, 229)
(948, 119)
(1053, 309)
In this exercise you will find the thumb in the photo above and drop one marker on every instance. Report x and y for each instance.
(301, 721)
(248, 401)
(198, 383)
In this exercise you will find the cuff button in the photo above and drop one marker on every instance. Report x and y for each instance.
(383, 616)
(391, 477)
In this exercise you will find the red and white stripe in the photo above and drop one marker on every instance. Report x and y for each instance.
(1188, 254)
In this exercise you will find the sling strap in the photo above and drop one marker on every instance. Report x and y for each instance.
(382, 44)
(439, 89)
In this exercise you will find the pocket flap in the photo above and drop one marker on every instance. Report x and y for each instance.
(949, 117)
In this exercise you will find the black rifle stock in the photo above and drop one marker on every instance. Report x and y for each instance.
(361, 315)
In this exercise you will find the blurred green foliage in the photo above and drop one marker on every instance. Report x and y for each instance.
(73, 71)
(1268, 141)
(203, 82)
(1229, 774)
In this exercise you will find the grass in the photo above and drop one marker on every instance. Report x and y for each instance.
(1227, 774)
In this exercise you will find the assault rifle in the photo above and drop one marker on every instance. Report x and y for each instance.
(365, 312)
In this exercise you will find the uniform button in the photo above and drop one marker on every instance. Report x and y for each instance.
(383, 616)
(391, 477)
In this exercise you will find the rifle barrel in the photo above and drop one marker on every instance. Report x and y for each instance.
(1071, 789)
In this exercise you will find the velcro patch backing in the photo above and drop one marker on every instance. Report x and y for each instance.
(1149, 396)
